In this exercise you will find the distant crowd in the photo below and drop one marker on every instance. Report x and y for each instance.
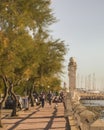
(39, 99)
(49, 97)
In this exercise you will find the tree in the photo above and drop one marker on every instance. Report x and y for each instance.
(27, 53)
(17, 19)
(52, 55)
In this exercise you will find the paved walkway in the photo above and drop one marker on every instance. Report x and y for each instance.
(37, 118)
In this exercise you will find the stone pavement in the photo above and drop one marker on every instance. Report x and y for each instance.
(37, 118)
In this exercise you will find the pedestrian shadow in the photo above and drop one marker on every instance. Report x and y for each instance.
(23, 119)
(67, 124)
(49, 125)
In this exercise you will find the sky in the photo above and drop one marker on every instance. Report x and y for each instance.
(81, 25)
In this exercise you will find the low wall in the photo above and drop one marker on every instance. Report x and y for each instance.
(82, 117)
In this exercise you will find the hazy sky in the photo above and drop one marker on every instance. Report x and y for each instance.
(81, 26)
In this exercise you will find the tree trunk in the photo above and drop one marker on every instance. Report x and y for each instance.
(32, 101)
(31, 97)
(0, 116)
(14, 99)
(2, 99)
(14, 108)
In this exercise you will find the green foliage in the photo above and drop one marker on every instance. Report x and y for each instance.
(26, 49)
(20, 14)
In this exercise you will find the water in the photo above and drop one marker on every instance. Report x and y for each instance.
(92, 102)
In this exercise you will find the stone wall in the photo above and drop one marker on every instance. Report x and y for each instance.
(83, 118)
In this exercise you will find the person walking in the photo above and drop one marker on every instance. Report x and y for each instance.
(56, 99)
(49, 97)
(42, 99)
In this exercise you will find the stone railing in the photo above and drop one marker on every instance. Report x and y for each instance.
(80, 118)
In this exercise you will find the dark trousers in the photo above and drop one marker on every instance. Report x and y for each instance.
(42, 100)
(49, 101)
